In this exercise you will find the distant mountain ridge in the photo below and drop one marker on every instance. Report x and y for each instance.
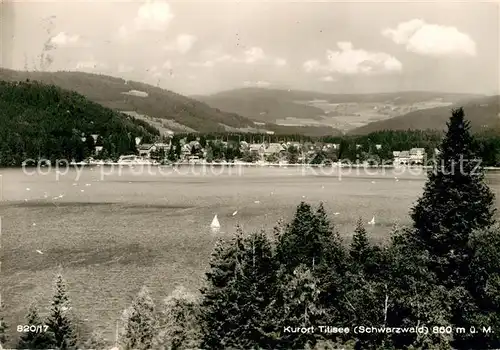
(342, 111)
(162, 108)
(483, 114)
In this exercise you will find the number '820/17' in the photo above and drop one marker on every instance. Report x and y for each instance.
(32, 328)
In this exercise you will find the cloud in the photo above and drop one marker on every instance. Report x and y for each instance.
(123, 68)
(280, 62)
(327, 79)
(259, 83)
(349, 61)
(224, 58)
(216, 58)
(202, 64)
(153, 16)
(155, 72)
(254, 54)
(431, 39)
(63, 39)
(182, 44)
(167, 65)
(312, 65)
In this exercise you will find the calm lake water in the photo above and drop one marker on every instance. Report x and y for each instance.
(110, 231)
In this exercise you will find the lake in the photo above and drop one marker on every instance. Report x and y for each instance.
(111, 231)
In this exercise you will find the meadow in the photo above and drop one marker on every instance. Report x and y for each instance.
(112, 232)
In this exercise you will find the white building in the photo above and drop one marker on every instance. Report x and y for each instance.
(417, 156)
(402, 158)
(146, 149)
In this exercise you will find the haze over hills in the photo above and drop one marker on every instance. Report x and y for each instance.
(341, 111)
(483, 114)
(164, 109)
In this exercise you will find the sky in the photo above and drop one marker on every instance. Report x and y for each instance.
(204, 47)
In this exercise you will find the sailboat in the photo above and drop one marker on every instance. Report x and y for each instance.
(372, 222)
(215, 222)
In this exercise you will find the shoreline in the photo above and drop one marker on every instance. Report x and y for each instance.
(256, 165)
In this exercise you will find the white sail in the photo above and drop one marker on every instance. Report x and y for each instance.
(215, 222)
(372, 222)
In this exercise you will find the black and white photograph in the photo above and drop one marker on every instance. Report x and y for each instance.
(249, 175)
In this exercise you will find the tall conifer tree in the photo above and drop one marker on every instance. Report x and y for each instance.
(37, 339)
(140, 323)
(456, 201)
(60, 323)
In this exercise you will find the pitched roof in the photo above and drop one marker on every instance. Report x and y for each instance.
(255, 147)
(274, 148)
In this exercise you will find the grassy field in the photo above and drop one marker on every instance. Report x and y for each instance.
(111, 234)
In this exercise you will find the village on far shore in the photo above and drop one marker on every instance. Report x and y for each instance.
(200, 151)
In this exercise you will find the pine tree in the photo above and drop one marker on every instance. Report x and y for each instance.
(331, 267)
(254, 290)
(59, 322)
(299, 243)
(360, 247)
(240, 289)
(215, 294)
(414, 298)
(456, 201)
(179, 322)
(485, 263)
(299, 306)
(140, 323)
(37, 339)
(178, 150)
(330, 245)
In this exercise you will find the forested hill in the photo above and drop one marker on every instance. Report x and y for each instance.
(45, 121)
(483, 114)
(168, 109)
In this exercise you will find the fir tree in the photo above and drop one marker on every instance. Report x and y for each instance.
(254, 289)
(331, 252)
(330, 267)
(59, 322)
(178, 150)
(360, 247)
(299, 243)
(179, 322)
(485, 263)
(456, 201)
(140, 323)
(215, 294)
(171, 153)
(299, 306)
(235, 312)
(34, 340)
(414, 298)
